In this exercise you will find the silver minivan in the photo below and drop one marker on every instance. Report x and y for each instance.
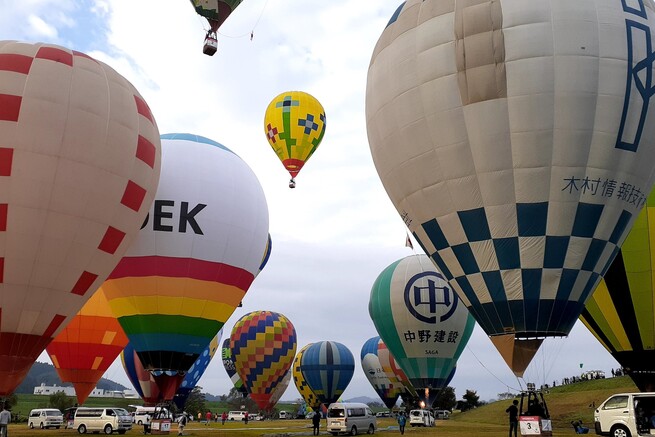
(350, 418)
(625, 415)
(104, 419)
(45, 418)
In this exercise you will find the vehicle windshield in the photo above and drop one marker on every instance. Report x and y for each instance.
(415, 413)
(336, 412)
(121, 412)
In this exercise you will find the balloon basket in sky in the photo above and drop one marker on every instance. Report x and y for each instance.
(216, 12)
(516, 152)
(80, 162)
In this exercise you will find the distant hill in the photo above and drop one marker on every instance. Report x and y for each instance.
(363, 400)
(44, 373)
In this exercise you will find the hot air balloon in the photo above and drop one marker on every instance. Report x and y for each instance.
(294, 125)
(216, 12)
(194, 259)
(301, 383)
(228, 364)
(142, 380)
(515, 150)
(393, 371)
(421, 320)
(89, 344)
(263, 345)
(620, 311)
(328, 367)
(79, 163)
(196, 371)
(385, 385)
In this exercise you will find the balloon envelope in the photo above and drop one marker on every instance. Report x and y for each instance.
(89, 344)
(193, 260)
(421, 320)
(387, 386)
(196, 371)
(511, 144)
(328, 367)
(230, 368)
(215, 11)
(142, 380)
(294, 125)
(80, 161)
(263, 345)
(620, 312)
(301, 383)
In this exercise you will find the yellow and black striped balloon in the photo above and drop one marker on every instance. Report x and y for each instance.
(621, 312)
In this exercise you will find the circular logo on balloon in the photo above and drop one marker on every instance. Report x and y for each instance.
(428, 297)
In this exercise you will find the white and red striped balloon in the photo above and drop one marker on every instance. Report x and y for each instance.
(79, 166)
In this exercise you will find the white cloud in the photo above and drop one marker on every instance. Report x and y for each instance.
(41, 29)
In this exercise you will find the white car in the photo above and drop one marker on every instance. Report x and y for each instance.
(421, 418)
(625, 415)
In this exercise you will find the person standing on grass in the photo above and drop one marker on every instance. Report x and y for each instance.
(513, 411)
(181, 423)
(5, 420)
(223, 418)
(316, 421)
(402, 420)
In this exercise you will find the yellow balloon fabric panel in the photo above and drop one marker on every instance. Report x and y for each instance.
(294, 125)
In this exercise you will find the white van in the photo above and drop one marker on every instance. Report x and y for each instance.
(350, 418)
(285, 415)
(236, 415)
(107, 420)
(442, 414)
(625, 414)
(143, 415)
(421, 418)
(45, 418)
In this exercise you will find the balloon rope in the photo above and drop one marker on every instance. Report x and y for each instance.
(250, 34)
(491, 373)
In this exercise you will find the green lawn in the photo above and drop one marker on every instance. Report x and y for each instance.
(565, 403)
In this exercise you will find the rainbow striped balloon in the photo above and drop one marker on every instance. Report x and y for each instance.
(194, 259)
(263, 345)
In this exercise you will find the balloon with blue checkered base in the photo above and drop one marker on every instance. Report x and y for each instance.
(516, 140)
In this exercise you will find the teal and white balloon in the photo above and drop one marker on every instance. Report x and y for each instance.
(516, 139)
(421, 320)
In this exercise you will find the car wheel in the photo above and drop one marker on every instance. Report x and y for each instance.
(108, 429)
(371, 429)
(81, 429)
(41, 425)
(57, 427)
(31, 425)
(140, 422)
(619, 431)
(353, 430)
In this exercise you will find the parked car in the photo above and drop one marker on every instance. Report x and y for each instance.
(102, 419)
(625, 414)
(45, 418)
(237, 415)
(421, 418)
(350, 418)
(442, 414)
(382, 414)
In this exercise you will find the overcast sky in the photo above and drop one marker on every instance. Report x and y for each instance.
(337, 230)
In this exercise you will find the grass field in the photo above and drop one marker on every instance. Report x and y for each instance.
(566, 403)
